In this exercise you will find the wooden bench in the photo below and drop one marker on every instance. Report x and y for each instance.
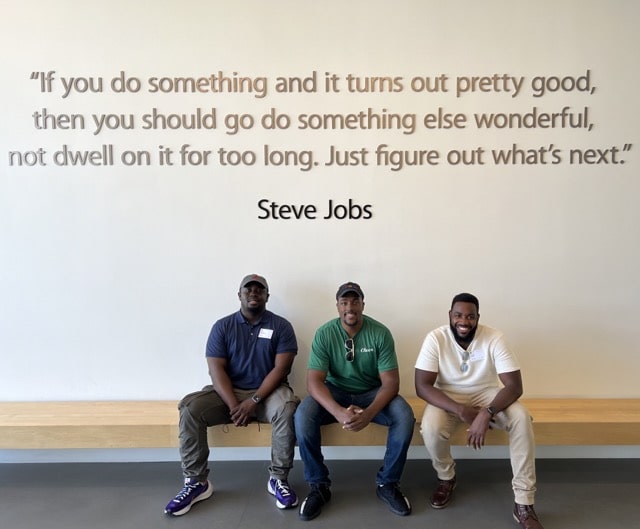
(154, 424)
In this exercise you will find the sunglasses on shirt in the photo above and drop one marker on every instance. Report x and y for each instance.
(350, 346)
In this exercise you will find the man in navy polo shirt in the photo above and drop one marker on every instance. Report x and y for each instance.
(249, 355)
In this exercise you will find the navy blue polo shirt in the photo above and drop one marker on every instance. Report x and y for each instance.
(250, 350)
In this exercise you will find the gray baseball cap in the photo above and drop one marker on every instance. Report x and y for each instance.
(254, 278)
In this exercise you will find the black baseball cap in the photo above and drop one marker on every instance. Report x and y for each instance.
(349, 287)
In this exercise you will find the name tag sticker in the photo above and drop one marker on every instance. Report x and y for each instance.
(266, 333)
(475, 356)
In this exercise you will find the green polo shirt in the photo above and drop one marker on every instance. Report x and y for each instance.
(374, 353)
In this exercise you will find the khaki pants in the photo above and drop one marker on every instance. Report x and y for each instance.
(438, 425)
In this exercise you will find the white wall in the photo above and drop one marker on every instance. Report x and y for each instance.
(110, 276)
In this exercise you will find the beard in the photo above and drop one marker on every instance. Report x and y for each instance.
(466, 339)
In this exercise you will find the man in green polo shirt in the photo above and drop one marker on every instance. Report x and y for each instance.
(353, 379)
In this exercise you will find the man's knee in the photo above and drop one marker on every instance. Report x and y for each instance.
(518, 413)
(290, 407)
(432, 429)
(203, 406)
(518, 416)
(306, 415)
(283, 402)
(404, 411)
(402, 414)
(285, 411)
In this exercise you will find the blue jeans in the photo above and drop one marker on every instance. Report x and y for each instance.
(310, 416)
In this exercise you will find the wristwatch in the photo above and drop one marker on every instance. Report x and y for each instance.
(491, 410)
(255, 398)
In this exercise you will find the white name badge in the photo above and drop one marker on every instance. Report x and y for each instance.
(266, 333)
(476, 356)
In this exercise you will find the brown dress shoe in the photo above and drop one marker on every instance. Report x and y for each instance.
(443, 494)
(526, 517)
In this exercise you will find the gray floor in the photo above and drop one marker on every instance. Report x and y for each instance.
(578, 493)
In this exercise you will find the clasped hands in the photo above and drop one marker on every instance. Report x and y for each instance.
(242, 414)
(353, 419)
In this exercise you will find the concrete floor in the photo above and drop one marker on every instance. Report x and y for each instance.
(576, 493)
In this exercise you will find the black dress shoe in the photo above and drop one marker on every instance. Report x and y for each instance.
(443, 494)
(312, 504)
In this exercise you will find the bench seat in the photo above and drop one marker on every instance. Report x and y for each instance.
(154, 424)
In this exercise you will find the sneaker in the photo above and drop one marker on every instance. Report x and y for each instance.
(393, 497)
(192, 492)
(285, 497)
(526, 516)
(312, 504)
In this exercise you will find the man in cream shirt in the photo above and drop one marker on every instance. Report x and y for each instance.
(468, 375)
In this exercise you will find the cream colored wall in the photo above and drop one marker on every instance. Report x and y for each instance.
(111, 276)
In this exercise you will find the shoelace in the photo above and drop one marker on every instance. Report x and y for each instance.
(186, 490)
(283, 488)
(395, 491)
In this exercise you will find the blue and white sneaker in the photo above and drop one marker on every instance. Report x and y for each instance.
(192, 492)
(285, 497)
